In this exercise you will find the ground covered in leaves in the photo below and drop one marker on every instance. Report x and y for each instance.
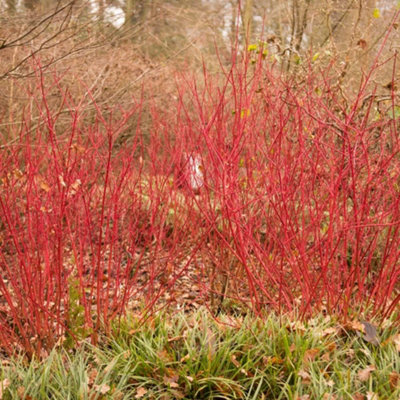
(193, 356)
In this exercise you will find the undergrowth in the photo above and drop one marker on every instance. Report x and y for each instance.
(196, 357)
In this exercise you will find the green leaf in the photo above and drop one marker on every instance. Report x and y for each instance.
(376, 13)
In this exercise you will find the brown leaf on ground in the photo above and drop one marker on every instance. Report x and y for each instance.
(371, 335)
(21, 392)
(394, 379)
(396, 341)
(372, 396)
(103, 388)
(140, 392)
(364, 374)
(305, 376)
(272, 360)
(354, 326)
(310, 355)
(5, 383)
(234, 361)
(362, 43)
(326, 357)
(328, 396)
(185, 358)
(358, 396)
(330, 331)
(171, 381)
(92, 375)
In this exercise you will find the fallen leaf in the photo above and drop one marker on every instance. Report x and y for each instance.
(92, 376)
(305, 376)
(75, 186)
(234, 361)
(164, 355)
(177, 394)
(328, 396)
(190, 378)
(272, 360)
(3, 386)
(371, 334)
(330, 331)
(372, 396)
(21, 392)
(362, 43)
(171, 381)
(304, 397)
(185, 358)
(326, 357)
(61, 180)
(363, 375)
(354, 326)
(103, 388)
(140, 392)
(117, 395)
(394, 379)
(358, 396)
(396, 341)
(310, 355)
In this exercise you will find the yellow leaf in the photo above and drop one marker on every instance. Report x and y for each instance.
(376, 13)
(244, 113)
(315, 57)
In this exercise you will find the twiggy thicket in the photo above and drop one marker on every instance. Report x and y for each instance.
(295, 206)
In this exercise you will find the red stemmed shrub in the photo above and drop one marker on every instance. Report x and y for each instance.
(295, 203)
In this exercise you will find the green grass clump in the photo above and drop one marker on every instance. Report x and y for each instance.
(196, 357)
